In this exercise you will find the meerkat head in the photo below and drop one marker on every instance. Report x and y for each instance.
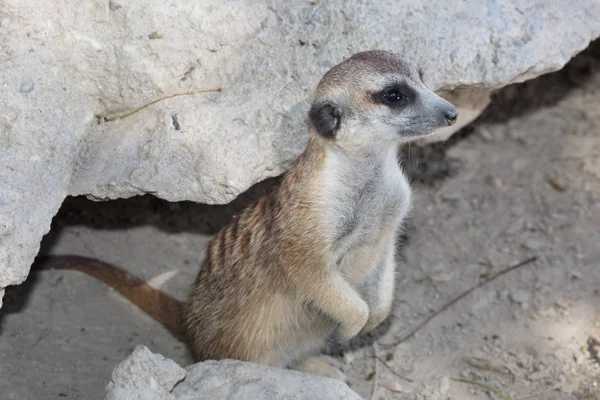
(374, 97)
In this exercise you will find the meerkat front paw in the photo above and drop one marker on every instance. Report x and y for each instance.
(374, 320)
(347, 331)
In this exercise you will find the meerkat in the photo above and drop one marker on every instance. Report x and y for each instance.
(316, 256)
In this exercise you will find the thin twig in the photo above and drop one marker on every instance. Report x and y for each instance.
(531, 396)
(128, 113)
(375, 372)
(484, 386)
(381, 360)
(456, 299)
(42, 336)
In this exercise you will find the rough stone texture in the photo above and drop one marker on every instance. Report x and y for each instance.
(148, 376)
(59, 68)
(236, 380)
(144, 376)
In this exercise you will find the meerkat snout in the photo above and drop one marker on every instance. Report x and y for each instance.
(437, 108)
(375, 97)
(451, 116)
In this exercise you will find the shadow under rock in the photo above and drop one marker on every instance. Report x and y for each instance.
(16, 298)
(171, 217)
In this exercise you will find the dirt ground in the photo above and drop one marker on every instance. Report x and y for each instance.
(522, 181)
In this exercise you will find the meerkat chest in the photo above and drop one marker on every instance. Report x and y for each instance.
(363, 206)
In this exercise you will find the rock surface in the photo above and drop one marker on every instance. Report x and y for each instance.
(59, 69)
(148, 376)
(144, 376)
(236, 380)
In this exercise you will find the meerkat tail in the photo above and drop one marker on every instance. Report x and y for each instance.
(160, 306)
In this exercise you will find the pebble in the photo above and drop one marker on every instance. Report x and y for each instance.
(349, 357)
(395, 386)
(575, 275)
(440, 274)
(485, 134)
(26, 86)
(534, 244)
(519, 164)
(560, 303)
(444, 385)
(113, 5)
(550, 313)
(451, 196)
(496, 182)
(536, 376)
(520, 297)
(156, 35)
(578, 357)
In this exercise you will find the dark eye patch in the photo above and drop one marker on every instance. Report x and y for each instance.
(395, 96)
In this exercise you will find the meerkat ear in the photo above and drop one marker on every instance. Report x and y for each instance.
(326, 119)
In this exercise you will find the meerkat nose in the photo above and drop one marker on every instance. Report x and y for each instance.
(451, 116)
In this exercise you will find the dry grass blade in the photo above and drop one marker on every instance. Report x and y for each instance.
(128, 113)
(484, 386)
(375, 373)
(381, 360)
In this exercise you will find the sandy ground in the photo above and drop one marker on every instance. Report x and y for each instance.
(523, 181)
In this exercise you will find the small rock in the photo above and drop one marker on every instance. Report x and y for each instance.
(519, 164)
(349, 357)
(485, 134)
(451, 196)
(441, 274)
(538, 375)
(113, 5)
(395, 386)
(497, 182)
(444, 385)
(578, 357)
(484, 363)
(560, 303)
(144, 375)
(534, 244)
(156, 35)
(575, 275)
(27, 86)
(520, 297)
(550, 313)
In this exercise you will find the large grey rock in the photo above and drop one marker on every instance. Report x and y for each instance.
(148, 376)
(144, 376)
(59, 67)
(236, 380)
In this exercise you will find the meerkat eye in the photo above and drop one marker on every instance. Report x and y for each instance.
(392, 96)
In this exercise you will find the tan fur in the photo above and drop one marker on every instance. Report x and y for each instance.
(259, 264)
